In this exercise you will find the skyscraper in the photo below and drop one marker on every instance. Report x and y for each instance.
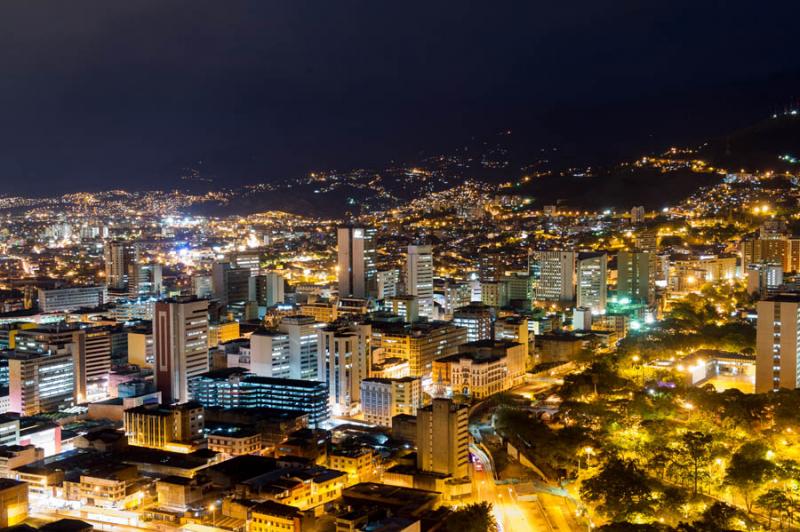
(553, 275)
(443, 438)
(419, 278)
(180, 332)
(119, 255)
(356, 252)
(592, 281)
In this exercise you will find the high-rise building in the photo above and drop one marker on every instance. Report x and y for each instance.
(387, 282)
(477, 319)
(637, 215)
(270, 354)
(592, 281)
(250, 260)
(778, 343)
(180, 333)
(495, 293)
(40, 382)
(303, 346)
(758, 250)
(344, 357)
(144, 280)
(419, 344)
(443, 438)
(119, 255)
(456, 295)
(356, 254)
(232, 285)
(382, 399)
(635, 276)
(764, 279)
(92, 360)
(553, 275)
(202, 286)
(269, 289)
(419, 278)
(90, 348)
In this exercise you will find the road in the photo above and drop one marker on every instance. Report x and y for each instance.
(539, 506)
(511, 513)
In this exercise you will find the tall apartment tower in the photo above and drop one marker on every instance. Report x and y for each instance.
(344, 357)
(592, 281)
(180, 337)
(419, 278)
(356, 253)
(777, 343)
(119, 255)
(443, 438)
(553, 275)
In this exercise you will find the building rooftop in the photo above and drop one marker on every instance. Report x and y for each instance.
(276, 509)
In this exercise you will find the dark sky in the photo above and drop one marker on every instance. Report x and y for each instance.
(100, 94)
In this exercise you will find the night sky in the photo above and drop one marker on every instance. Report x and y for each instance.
(113, 93)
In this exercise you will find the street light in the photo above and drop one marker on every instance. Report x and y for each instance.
(588, 451)
(212, 508)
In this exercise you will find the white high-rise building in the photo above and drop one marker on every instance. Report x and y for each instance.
(592, 281)
(269, 354)
(344, 358)
(271, 290)
(553, 275)
(180, 339)
(303, 339)
(356, 262)
(419, 278)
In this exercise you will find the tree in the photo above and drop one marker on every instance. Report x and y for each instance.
(748, 470)
(476, 517)
(698, 448)
(619, 491)
(718, 517)
(774, 500)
